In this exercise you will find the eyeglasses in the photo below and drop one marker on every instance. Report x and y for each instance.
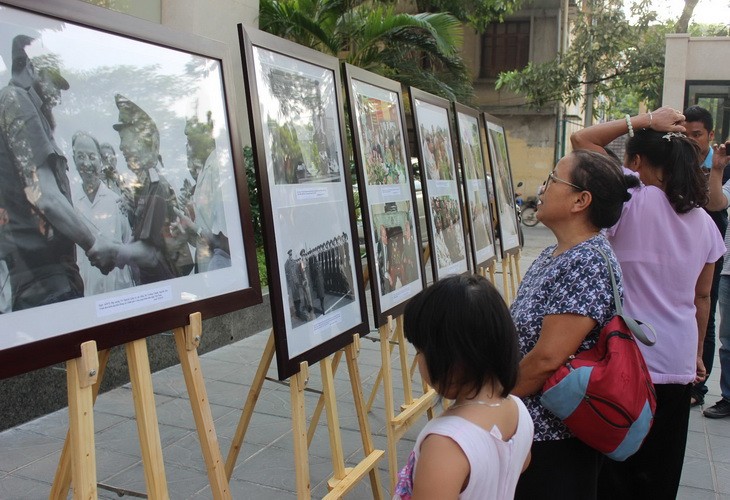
(85, 156)
(555, 178)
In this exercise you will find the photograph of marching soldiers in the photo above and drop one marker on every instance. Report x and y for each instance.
(449, 235)
(502, 180)
(94, 197)
(318, 266)
(318, 278)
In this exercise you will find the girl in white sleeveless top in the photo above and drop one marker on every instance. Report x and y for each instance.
(466, 347)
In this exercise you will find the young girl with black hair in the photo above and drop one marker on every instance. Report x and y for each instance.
(466, 348)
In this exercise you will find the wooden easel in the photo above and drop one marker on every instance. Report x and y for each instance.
(511, 267)
(412, 409)
(488, 272)
(343, 479)
(187, 340)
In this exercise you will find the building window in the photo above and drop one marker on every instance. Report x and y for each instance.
(505, 46)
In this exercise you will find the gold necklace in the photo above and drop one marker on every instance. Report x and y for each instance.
(477, 402)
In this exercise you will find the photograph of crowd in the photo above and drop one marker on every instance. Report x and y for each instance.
(438, 156)
(380, 135)
(139, 200)
(502, 175)
(449, 236)
(471, 148)
(300, 119)
(396, 247)
(475, 180)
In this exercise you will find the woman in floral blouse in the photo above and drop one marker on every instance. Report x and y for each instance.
(562, 304)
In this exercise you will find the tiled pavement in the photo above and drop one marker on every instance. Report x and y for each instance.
(265, 469)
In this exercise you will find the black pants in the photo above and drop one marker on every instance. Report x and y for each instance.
(654, 471)
(560, 470)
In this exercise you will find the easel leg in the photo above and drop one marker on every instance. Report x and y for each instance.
(187, 340)
(62, 479)
(517, 269)
(378, 380)
(513, 277)
(321, 403)
(81, 374)
(388, 392)
(297, 383)
(253, 396)
(333, 419)
(146, 413)
(505, 283)
(403, 355)
(351, 353)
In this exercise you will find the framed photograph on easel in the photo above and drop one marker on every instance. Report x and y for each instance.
(476, 190)
(315, 274)
(504, 192)
(389, 212)
(440, 183)
(146, 219)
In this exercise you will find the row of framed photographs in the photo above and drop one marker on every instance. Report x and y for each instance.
(296, 110)
(145, 116)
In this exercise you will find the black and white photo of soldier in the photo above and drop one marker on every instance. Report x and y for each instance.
(319, 280)
(41, 230)
(154, 252)
(202, 219)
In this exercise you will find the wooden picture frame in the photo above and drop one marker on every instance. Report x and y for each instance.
(509, 231)
(432, 118)
(110, 74)
(295, 107)
(476, 185)
(387, 191)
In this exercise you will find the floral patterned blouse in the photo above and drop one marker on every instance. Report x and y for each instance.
(574, 282)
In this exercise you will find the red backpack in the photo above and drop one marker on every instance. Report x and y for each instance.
(605, 395)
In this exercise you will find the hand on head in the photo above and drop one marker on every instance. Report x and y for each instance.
(667, 119)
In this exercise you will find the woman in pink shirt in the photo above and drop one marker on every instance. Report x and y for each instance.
(667, 246)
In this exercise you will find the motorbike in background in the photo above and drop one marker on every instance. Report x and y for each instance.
(529, 212)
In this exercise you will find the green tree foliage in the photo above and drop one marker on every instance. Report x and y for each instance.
(478, 13)
(415, 49)
(614, 54)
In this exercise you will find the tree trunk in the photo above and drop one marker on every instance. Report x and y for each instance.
(683, 22)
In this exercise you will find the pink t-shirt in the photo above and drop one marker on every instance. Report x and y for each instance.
(662, 254)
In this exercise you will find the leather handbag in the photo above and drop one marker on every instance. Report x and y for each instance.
(605, 395)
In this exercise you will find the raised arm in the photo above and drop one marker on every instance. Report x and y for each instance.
(719, 195)
(596, 137)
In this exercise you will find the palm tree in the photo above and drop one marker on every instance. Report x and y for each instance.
(421, 50)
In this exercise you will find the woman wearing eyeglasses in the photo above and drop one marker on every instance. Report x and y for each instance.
(667, 246)
(563, 302)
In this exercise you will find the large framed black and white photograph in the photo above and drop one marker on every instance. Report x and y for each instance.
(504, 192)
(124, 204)
(389, 212)
(440, 183)
(315, 274)
(476, 193)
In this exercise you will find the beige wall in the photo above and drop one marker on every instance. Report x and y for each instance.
(688, 58)
(531, 143)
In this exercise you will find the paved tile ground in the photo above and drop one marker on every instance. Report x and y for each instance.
(265, 470)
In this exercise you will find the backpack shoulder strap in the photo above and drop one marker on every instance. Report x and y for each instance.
(634, 325)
